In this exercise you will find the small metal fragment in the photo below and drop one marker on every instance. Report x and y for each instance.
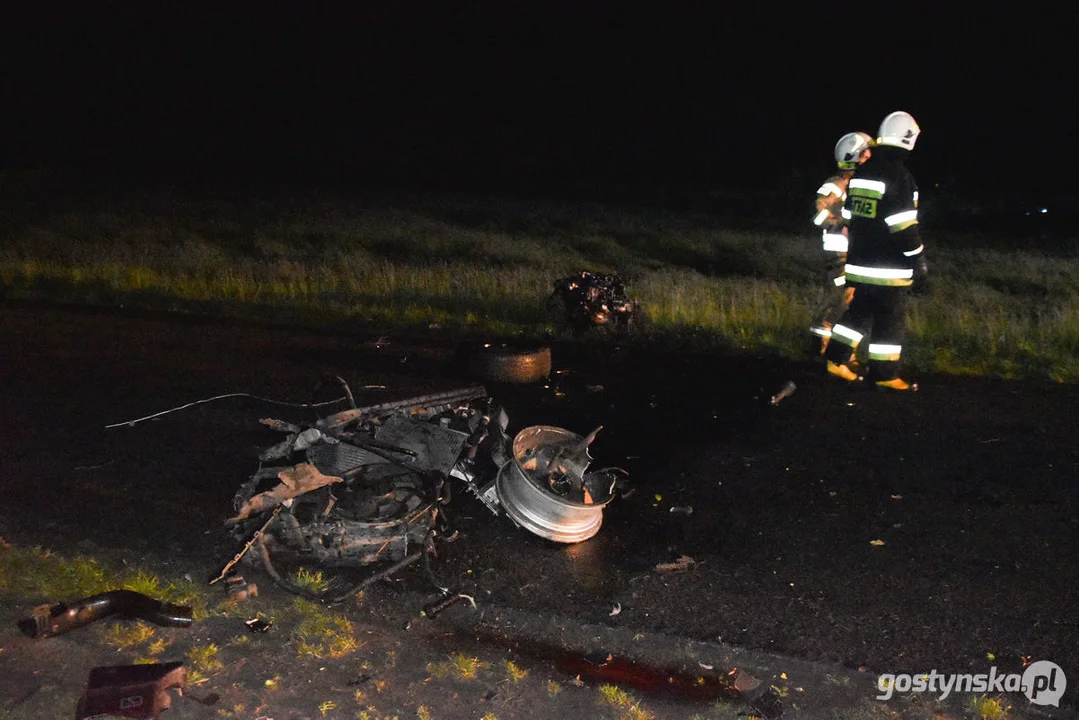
(784, 392)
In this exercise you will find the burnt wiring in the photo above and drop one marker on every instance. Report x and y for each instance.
(130, 423)
(446, 596)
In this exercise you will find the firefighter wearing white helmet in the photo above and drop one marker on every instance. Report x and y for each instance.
(852, 150)
(885, 257)
(899, 130)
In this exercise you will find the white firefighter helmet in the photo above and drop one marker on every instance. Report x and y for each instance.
(898, 130)
(850, 147)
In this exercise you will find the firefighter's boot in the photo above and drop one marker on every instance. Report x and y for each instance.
(843, 372)
(897, 385)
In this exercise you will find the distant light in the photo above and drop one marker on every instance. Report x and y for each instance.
(1045, 210)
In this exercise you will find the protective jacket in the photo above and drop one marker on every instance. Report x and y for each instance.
(882, 216)
(831, 196)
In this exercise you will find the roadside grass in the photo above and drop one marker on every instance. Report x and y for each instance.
(321, 633)
(37, 574)
(989, 708)
(32, 574)
(629, 709)
(515, 672)
(311, 580)
(204, 659)
(489, 266)
(123, 636)
(458, 665)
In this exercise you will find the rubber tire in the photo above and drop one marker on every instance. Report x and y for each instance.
(509, 364)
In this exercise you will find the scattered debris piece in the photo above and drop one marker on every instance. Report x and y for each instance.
(764, 700)
(706, 667)
(615, 610)
(432, 610)
(239, 590)
(207, 699)
(295, 481)
(49, 620)
(135, 691)
(599, 658)
(587, 300)
(516, 362)
(685, 510)
(682, 563)
(784, 392)
(876, 542)
(259, 624)
(281, 425)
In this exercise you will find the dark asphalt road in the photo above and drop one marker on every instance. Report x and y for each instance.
(971, 485)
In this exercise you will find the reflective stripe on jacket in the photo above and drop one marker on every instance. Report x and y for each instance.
(882, 205)
(830, 198)
(829, 216)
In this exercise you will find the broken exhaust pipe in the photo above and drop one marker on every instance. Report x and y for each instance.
(49, 620)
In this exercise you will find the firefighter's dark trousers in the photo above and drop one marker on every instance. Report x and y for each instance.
(837, 298)
(878, 312)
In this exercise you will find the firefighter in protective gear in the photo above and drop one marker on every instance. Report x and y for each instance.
(852, 150)
(885, 257)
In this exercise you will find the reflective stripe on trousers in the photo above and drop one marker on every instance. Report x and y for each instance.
(882, 352)
(847, 335)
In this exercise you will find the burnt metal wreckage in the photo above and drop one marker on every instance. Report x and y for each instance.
(364, 492)
(587, 300)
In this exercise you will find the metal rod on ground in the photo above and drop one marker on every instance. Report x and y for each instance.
(348, 391)
(425, 400)
(247, 545)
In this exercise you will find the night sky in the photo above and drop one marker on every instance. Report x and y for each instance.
(663, 99)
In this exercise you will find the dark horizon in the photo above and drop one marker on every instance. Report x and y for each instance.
(682, 100)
